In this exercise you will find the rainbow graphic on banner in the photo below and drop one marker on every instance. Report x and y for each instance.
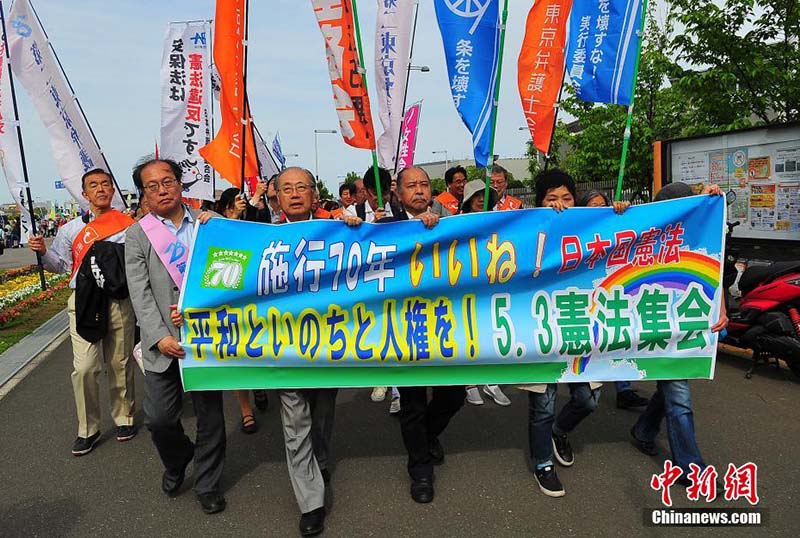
(692, 267)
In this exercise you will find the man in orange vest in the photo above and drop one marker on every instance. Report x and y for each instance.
(455, 178)
(499, 181)
(76, 250)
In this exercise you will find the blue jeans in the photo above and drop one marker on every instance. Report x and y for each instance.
(672, 400)
(542, 421)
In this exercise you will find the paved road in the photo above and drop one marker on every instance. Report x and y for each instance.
(18, 257)
(484, 488)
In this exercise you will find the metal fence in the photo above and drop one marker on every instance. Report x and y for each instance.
(634, 196)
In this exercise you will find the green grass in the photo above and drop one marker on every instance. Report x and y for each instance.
(31, 319)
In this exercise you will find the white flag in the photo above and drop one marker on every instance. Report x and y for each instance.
(10, 155)
(269, 166)
(36, 68)
(186, 104)
(392, 48)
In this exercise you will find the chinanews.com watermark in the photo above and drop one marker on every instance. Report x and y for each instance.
(704, 485)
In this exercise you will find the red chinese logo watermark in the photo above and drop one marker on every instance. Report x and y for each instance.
(701, 483)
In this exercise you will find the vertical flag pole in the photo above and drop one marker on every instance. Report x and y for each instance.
(210, 66)
(627, 136)
(496, 104)
(408, 79)
(363, 72)
(7, 61)
(555, 119)
(245, 104)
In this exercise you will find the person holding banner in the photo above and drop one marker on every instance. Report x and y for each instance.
(155, 259)
(422, 421)
(672, 401)
(499, 181)
(101, 324)
(547, 434)
(307, 415)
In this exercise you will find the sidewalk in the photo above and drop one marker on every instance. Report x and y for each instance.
(26, 351)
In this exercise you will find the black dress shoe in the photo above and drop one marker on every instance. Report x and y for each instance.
(628, 399)
(437, 452)
(171, 481)
(313, 522)
(211, 503)
(422, 490)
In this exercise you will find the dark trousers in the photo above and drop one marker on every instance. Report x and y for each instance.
(163, 405)
(421, 422)
(542, 421)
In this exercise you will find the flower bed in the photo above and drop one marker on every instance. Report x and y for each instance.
(11, 274)
(24, 291)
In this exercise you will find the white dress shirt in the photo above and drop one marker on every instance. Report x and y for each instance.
(58, 257)
(369, 212)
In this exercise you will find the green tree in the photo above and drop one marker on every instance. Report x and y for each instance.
(744, 62)
(324, 193)
(351, 177)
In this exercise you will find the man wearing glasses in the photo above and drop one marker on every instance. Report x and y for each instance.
(307, 414)
(101, 326)
(156, 252)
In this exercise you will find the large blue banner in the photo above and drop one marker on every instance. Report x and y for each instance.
(602, 48)
(471, 37)
(502, 297)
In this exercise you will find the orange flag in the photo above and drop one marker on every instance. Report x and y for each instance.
(224, 153)
(350, 96)
(540, 69)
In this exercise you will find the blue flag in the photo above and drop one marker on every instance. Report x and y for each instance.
(277, 151)
(471, 37)
(602, 48)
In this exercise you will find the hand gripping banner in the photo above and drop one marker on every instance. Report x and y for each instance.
(502, 297)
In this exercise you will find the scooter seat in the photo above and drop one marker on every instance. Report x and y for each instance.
(753, 276)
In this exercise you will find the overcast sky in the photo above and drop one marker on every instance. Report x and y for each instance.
(111, 51)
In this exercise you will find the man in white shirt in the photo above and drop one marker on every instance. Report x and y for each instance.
(74, 242)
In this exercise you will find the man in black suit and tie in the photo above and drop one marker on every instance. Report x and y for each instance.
(421, 422)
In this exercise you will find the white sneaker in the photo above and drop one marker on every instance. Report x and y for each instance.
(497, 396)
(394, 407)
(378, 394)
(473, 396)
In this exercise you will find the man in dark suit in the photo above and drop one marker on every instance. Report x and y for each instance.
(154, 292)
(421, 422)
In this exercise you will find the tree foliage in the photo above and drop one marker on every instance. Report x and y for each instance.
(704, 69)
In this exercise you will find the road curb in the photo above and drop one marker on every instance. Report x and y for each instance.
(14, 361)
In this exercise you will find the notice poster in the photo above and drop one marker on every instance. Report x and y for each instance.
(762, 207)
(717, 169)
(758, 168)
(787, 207)
(740, 208)
(693, 168)
(786, 163)
(737, 165)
